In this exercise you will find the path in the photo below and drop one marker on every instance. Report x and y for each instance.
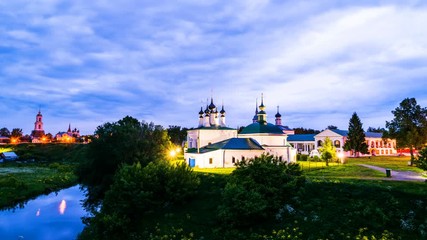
(399, 175)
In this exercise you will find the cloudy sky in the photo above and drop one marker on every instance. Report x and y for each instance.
(85, 63)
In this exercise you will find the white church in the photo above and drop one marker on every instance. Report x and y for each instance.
(213, 145)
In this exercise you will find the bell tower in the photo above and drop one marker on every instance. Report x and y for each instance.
(38, 126)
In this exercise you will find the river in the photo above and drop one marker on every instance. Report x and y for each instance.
(56, 216)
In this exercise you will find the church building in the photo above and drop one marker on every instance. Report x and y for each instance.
(38, 132)
(213, 145)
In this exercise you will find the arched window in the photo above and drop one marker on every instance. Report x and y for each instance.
(337, 143)
(319, 143)
(233, 160)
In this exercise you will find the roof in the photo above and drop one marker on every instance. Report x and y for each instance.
(373, 135)
(236, 143)
(343, 133)
(10, 155)
(261, 128)
(301, 137)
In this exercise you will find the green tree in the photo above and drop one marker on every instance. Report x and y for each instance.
(136, 191)
(328, 151)
(331, 127)
(409, 126)
(177, 134)
(257, 189)
(356, 137)
(16, 133)
(124, 142)
(422, 159)
(4, 132)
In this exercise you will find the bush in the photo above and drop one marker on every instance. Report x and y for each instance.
(304, 157)
(421, 162)
(137, 190)
(257, 189)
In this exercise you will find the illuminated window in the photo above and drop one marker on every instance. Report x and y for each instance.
(210, 160)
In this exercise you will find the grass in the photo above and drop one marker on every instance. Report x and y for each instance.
(391, 162)
(41, 169)
(225, 171)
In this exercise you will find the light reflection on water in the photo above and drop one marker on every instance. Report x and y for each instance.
(55, 216)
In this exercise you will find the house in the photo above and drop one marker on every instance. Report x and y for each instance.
(9, 156)
(4, 140)
(377, 146)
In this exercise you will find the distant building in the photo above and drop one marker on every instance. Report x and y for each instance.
(38, 133)
(305, 143)
(4, 140)
(69, 136)
(8, 156)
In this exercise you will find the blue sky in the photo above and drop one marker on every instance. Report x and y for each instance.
(90, 62)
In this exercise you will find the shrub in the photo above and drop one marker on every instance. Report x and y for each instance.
(304, 157)
(257, 189)
(421, 162)
(137, 190)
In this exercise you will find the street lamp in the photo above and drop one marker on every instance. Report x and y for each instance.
(341, 157)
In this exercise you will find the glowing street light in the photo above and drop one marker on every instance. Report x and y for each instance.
(172, 153)
(341, 157)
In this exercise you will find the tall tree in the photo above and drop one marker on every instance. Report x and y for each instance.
(16, 133)
(177, 134)
(4, 132)
(127, 141)
(328, 151)
(331, 127)
(356, 137)
(376, 130)
(409, 126)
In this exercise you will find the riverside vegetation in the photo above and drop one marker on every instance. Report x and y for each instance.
(41, 169)
(150, 198)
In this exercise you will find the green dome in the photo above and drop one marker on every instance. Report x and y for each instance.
(261, 128)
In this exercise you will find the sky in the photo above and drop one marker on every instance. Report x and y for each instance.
(86, 63)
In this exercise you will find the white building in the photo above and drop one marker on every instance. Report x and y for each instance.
(213, 145)
(305, 143)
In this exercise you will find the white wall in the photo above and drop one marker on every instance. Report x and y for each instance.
(206, 136)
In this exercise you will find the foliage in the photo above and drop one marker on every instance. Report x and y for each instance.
(356, 136)
(332, 127)
(421, 162)
(16, 133)
(4, 132)
(409, 126)
(301, 130)
(328, 151)
(124, 142)
(177, 134)
(376, 130)
(136, 191)
(257, 189)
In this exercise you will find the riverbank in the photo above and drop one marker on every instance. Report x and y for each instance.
(41, 169)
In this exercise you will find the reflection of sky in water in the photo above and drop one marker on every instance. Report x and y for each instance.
(55, 216)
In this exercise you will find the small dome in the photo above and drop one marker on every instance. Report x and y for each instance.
(222, 111)
(212, 105)
(278, 115)
(201, 111)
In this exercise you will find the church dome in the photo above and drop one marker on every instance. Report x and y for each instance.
(278, 115)
(212, 105)
(201, 111)
(261, 128)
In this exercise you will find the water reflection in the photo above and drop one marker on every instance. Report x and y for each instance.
(57, 216)
(62, 207)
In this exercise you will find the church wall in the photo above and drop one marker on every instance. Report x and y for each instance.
(207, 136)
(270, 140)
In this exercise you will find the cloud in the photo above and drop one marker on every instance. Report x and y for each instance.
(92, 62)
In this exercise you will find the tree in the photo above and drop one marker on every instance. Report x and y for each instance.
(124, 142)
(331, 127)
(422, 159)
(16, 133)
(328, 151)
(257, 189)
(376, 130)
(177, 134)
(409, 126)
(301, 130)
(4, 132)
(356, 136)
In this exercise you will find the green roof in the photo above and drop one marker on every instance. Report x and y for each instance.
(262, 128)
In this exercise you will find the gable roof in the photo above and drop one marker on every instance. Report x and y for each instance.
(343, 133)
(301, 138)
